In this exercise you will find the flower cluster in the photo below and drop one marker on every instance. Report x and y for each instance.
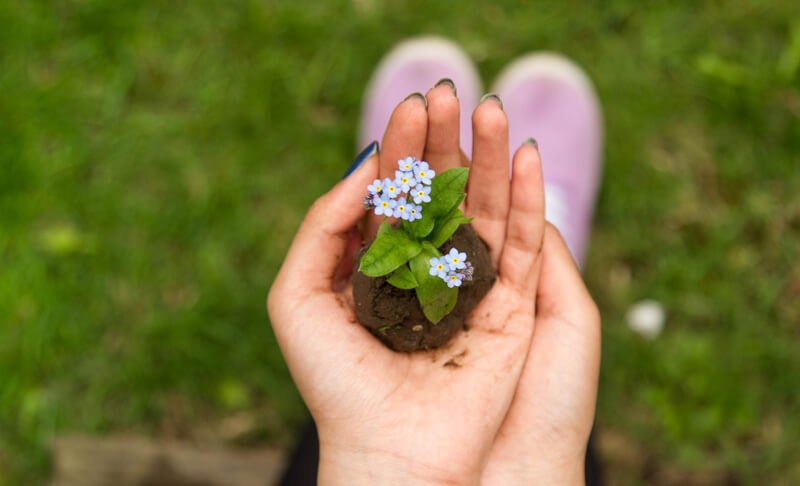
(453, 268)
(401, 197)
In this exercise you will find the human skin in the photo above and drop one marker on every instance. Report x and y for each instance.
(520, 403)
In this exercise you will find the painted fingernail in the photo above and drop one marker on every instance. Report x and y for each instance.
(448, 82)
(531, 141)
(493, 97)
(420, 96)
(362, 157)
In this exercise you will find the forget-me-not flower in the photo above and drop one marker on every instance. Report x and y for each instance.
(405, 180)
(438, 267)
(423, 173)
(376, 188)
(454, 280)
(407, 164)
(456, 259)
(385, 205)
(401, 209)
(414, 212)
(390, 188)
(421, 194)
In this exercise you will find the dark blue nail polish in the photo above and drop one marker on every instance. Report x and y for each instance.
(531, 141)
(448, 82)
(493, 97)
(420, 97)
(365, 154)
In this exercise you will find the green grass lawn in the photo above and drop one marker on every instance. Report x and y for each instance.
(156, 158)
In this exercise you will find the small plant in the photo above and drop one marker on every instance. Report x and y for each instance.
(427, 207)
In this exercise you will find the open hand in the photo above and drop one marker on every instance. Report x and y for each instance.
(465, 411)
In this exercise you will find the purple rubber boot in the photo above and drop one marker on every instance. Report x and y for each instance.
(548, 97)
(416, 65)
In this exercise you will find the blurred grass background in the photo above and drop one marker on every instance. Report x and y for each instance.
(156, 158)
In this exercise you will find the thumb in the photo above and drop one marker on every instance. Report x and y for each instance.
(321, 240)
(566, 339)
(561, 292)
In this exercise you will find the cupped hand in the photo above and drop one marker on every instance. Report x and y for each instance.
(427, 417)
(544, 435)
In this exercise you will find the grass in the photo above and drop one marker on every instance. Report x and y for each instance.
(156, 158)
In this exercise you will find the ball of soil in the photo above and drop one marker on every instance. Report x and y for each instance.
(394, 315)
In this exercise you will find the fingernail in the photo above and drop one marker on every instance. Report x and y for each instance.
(493, 97)
(448, 82)
(531, 141)
(420, 96)
(362, 157)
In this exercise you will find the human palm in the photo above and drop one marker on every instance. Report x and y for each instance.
(454, 415)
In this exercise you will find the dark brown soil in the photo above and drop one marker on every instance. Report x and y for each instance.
(394, 315)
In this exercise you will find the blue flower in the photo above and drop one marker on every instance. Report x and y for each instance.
(456, 260)
(453, 280)
(421, 194)
(405, 180)
(423, 173)
(414, 212)
(407, 164)
(390, 188)
(376, 188)
(401, 209)
(385, 205)
(438, 268)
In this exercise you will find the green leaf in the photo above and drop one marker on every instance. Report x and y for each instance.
(391, 249)
(422, 227)
(447, 191)
(383, 228)
(432, 251)
(435, 297)
(443, 202)
(402, 278)
(445, 227)
(451, 180)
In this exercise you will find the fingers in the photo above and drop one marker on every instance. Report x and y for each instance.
(324, 234)
(405, 136)
(488, 186)
(442, 150)
(526, 223)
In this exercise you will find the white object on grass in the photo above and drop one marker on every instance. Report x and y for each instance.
(646, 318)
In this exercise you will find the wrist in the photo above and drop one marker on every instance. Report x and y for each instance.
(354, 465)
(535, 469)
(571, 473)
(571, 477)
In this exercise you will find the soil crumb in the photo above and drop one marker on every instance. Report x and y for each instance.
(453, 362)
